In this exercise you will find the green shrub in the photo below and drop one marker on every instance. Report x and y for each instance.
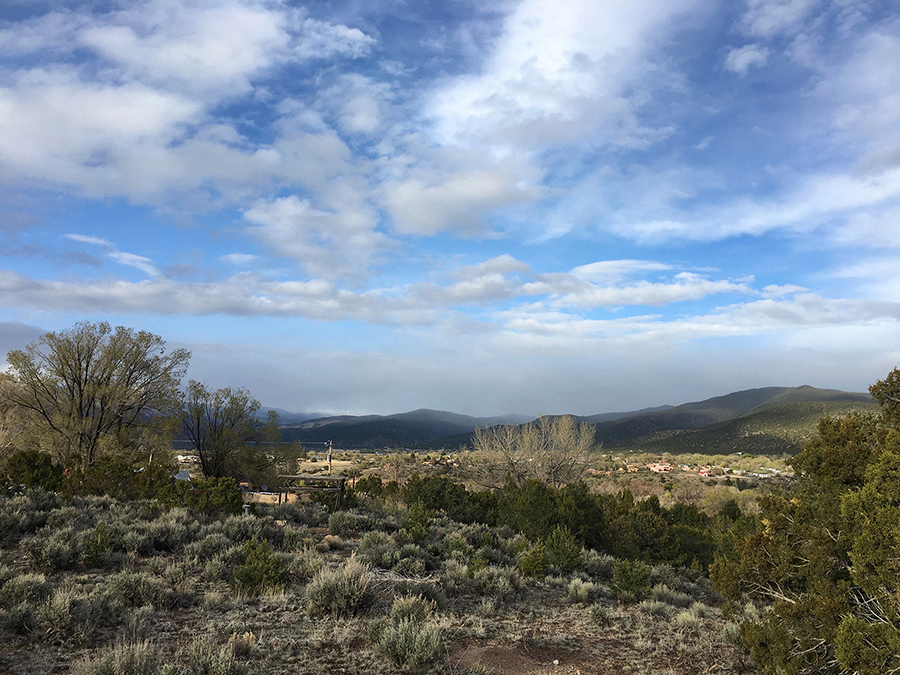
(244, 528)
(20, 618)
(135, 658)
(409, 643)
(204, 657)
(455, 579)
(534, 562)
(405, 636)
(563, 550)
(54, 552)
(374, 546)
(26, 513)
(138, 589)
(168, 532)
(430, 591)
(137, 542)
(410, 560)
(262, 570)
(599, 615)
(685, 580)
(345, 591)
(341, 523)
(580, 591)
(413, 608)
(137, 624)
(210, 546)
(654, 608)
(665, 594)
(597, 565)
(496, 581)
(28, 588)
(33, 469)
(689, 620)
(74, 616)
(631, 580)
(307, 563)
(418, 521)
(96, 545)
(216, 569)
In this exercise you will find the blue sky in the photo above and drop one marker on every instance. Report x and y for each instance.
(484, 207)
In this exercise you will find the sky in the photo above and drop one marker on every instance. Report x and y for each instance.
(485, 207)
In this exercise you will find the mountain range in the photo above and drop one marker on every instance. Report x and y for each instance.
(770, 420)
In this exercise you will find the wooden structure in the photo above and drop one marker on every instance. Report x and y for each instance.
(309, 483)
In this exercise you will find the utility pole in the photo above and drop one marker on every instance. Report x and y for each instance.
(329, 458)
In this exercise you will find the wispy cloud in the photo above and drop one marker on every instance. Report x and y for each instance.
(139, 262)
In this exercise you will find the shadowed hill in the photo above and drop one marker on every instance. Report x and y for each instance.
(410, 429)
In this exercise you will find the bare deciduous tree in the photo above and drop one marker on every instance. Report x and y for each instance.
(554, 450)
(228, 434)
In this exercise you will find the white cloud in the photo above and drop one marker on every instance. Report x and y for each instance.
(137, 118)
(489, 281)
(239, 259)
(614, 270)
(863, 97)
(54, 126)
(139, 262)
(429, 201)
(768, 18)
(214, 48)
(144, 264)
(240, 295)
(86, 239)
(816, 201)
(556, 74)
(357, 103)
(544, 328)
(336, 243)
(319, 39)
(740, 59)
(684, 286)
(50, 33)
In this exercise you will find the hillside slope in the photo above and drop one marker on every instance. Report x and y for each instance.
(773, 430)
(717, 410)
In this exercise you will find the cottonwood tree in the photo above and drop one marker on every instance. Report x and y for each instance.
(93, 388)
(229, 436)
(553, 450)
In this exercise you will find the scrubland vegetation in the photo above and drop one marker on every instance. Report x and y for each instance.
(534, 553)
(103, 585)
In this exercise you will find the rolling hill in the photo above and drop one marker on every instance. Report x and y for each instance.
(642, 428)
(770, 420)
(774, 430)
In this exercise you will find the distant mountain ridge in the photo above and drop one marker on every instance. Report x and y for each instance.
(410, 429)
(770, 420)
